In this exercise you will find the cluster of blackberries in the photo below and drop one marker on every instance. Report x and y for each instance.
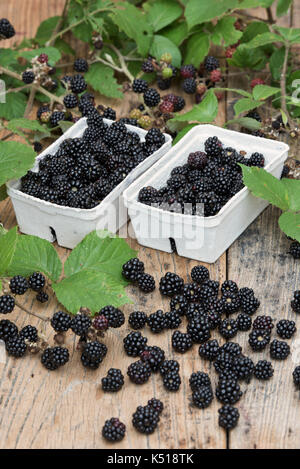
(157, 322)
(198, 81)
(165, 71)
(203, 185)
(202, 393)
(17, 342)
(85, 170)
(260, 336)
(6, 29)
(134, 271)
(19, 285)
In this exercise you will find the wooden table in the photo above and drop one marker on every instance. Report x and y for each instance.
(67, 408)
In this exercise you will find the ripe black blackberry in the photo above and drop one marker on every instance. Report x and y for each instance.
(7, 329)
(263, 323)
(224, 361)
(151, 97)
(36, 281)
(77, 84)
(173, 320)
(93, 354)
(285, 328)
(113, 381)
(199, 379)
(134, 343)
(229, 287)
(233, 348)
(296, 377)
(228, 373)
(214, 319)
(211, 63)
(295, 303)
(179, 304)
(7, 304)
(171, 284)
(54, 357)
(189, 85)
(228, 328)
(132, 269)
(249, 304)
(137, 319)
(263, 370)
(70, 101)
(61, 321)
(28, 77)
(228, 391)
(30, 333)
(18, 285)
(254, 115)
(172, 381)
(168, 366)
(147, 66)
(81, 65)
(42, 297)
(15, 346)
(228, 417)
(113, 430)
(202, 397)
(139, 85)
(80, 324)
(243, 367)
(279, 350)
(145, 419)
(209, 350)
(179, 104)
(146, 283)
(154, 136)
(199, 274)
(231, 304)
(295, 249)
(114, 316)
(148, 195)
(259, 339)
(199, 330)
(157, 321)
(156, 405)
(191, 291)
(139, 372)
(154, 356)
(109, 113)
(6, 29)
(181, 342)
(213, 146)
(244, 322)
(256, 159)
(56, 117)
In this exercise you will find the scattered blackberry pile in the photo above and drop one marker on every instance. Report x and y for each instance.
(85, 170)
(204, 184)
(134, 271)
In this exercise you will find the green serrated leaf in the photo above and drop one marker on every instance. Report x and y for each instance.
(161, 45)
(34, 254)
(245, 104)
(162, 13)
(182, 133)
(276, 63)
(245, 57)
(65, 125)
(283, 7)
(254, 29)
(45, 29)
(198, 12)
(264, 91)
(176, 33)
(262, 40)
(262, 184)
(14, 106)
(64, 47)
(289, 223)
(293, 189)
(23, 123)
(15, 160)
(8, 58)
(247, 122)
(8, 244)
(235, 90)
(226, 31)
(291, 35)
(197, 48)
(53, 54)
(101, 78)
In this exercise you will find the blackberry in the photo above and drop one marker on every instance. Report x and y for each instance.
(199, 379)
(139, 372)
(169, 366)
(80, 324)
(295, 249)
(229, 287)
(172, 381)
(231, 304)
(295, 303)
(181, 342)
(109, 113)
(256, 159)
(199, 330)
(156, 405)
(279, 350)
(259, 339)
(113, 381)
(113, 430)
(7, 304)
(70, 101)
(285, 171)
(42, 297)
(202, 397)
(154, 356)
(139, 85)
(15, 346)
(56, 117)
(233, 348)
(61, 321)
(154, 136)
(179, 104)
(134, 343)
(224, 361)
(93, 354)
(151, 97)
(189, 85)
(78, 84)
(188, 71)
(145, 419)
(286, 329)
(191, 291)
(172, 320)
(263, 370)
(228, 417)
(146, 283)
(214, 319)
(81, 65)
(244, 322)
(211, 63)
(28, 77)
(7, 329)
(30, 333)
(243, 367)
(179, 304)
(137, 319)
(209, 350)
(228, 373)
(6, 29)
(228, 391)
(171, 284)
(296, 377)
(36, 281)
(54, 357)
(213, 146)
(100, 323)
(263, 323)
(199, 274)
(148, 195)
(163, 84)
(254, 115)
(147, 66)
(195, 311)
(18, 285)
(157, 321)
(228, 328)
(249, 304)
(114, 316)
(132, 269)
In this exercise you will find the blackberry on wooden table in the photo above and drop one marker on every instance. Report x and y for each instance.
(296, 377)
(145, 419)
(139, 372)
(179, 304)
(295, 249)
(6, 29)
(199, 379)
(113, 430)
(263, 370)
(157, 321)
(228, 391)
(228, 417)
(80, 324)
(173, 320)
(171, 284)
(181, 342)
(244, 322)
(134, 343)
(243, 367)
(199, 330)
(199, 273)
(146, 283)
(36, 281)
(137, 319)
(114, 316)
(285, 328)
(156, 405)
(7, 329)
(295, 303)
(228, 328)
(29, 333)
(169, 366)
(233, 348)
(100, 323)
(202, 397)
(18, 285)
(191, 292)
(132, 269)
(54, 357)
(263, 323)
(172, 381)
(209, 350)
(231, 304)
(279, 350)
(259, 339)
(229, 287)
(93, 354)
(154, 356)
(7, 304)
(113, 381)
(15, 346)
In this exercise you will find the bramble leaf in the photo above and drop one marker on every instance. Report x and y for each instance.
(101, 78)
(162, 13)
(8, 244)
(289, 223)
(197, 48)
(245, 104)
(15, 160)
(161, 45)
(264, 91)
(14, 106)
(198, 12)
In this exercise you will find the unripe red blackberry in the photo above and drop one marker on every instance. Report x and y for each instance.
(43, 58)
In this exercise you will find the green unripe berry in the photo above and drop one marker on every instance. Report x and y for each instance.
(166, 57)
(167, 72)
